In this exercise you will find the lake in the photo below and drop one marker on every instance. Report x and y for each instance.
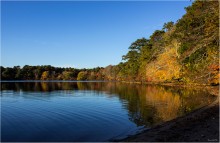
(90, 111)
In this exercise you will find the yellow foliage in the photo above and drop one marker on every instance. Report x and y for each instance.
(166, 66)
(45, 75)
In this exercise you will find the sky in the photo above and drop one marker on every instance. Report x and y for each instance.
(78, 34)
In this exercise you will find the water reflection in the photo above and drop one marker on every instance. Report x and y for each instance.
(147, 104)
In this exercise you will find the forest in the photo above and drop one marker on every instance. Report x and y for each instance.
(186, 51)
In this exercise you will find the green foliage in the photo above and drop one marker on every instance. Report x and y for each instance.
(168, 26)
(195, 58)
(183, 47)
(68, 75)
(157, 36)
(133, 58)
(198, 33)
(182, 51)
(8, 73)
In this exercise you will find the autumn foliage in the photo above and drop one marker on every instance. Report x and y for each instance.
(214, 74)
(186, 51)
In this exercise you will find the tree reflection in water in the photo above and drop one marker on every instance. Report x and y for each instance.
(146, 104)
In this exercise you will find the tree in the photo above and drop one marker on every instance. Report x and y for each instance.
(27, 72)
(37, 73)
(157, 36)
(18, 74)
(8, 74)
(2, 70)
(132, 57)
(68, 75)
(168, 26)
(45, 75)
(82, 75)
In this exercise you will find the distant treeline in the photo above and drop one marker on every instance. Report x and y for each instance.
(48, 72)
(186, 51)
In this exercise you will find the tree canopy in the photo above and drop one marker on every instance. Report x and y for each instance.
(185, 51)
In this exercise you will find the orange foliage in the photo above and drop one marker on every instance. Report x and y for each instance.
(215, 75)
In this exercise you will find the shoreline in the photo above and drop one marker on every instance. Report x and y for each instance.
(182, 84)
(200, 125)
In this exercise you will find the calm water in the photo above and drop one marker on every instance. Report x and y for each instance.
(89, 111)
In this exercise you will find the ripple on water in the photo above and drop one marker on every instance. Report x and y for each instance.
(88, 111)
(67, 114)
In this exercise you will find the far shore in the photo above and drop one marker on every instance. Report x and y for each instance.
(122, 81)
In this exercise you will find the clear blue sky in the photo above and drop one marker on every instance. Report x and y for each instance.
(78, 34)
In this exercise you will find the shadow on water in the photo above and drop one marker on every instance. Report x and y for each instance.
(146, 105)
